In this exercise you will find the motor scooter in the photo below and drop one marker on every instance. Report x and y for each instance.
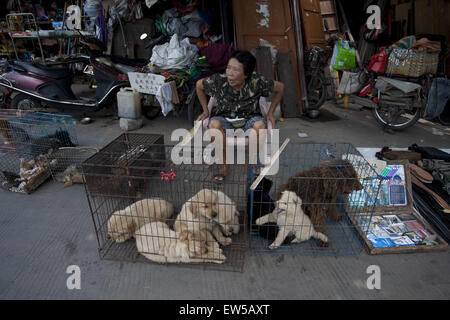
(39, 86)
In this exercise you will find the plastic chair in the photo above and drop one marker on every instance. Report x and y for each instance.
(242, 141)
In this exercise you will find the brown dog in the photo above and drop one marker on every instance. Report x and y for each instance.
(319, 188)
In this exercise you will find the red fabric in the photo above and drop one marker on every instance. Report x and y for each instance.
(367, 89)
(217, 55)
(378, 61)
(186, 9)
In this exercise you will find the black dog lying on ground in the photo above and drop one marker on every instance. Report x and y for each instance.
(263, 204)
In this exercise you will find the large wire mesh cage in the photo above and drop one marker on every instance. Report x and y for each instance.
(148, 207)
(18, 174)
(52, 137)
(311, 204)
(41, 133)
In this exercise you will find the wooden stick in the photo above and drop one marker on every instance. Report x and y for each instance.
(79, 148)
(192, 133)
(269, 166)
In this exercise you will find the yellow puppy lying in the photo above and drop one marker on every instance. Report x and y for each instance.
(157, 242)
(123, 223)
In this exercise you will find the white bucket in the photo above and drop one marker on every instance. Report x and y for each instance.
(129, 103)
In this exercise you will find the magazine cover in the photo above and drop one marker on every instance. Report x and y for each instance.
(393, 187)
(392, 190)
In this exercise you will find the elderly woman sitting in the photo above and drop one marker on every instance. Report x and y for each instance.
(237, 93)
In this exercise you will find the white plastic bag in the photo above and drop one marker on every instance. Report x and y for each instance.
(351, 82)
(174, 54)
(164, 97)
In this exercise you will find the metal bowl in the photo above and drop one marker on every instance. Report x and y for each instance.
(313, 113)
(86, 120)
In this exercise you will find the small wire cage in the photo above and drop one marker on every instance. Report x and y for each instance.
(310, 205)
(50, 135)
(148, 207)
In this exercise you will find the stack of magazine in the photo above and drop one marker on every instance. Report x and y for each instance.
(396, 230)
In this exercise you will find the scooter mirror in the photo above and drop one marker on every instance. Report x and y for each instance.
(143, 36)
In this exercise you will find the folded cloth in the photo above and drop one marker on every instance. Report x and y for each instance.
(436, 197)
(430, 211)
(164, 97)
(437, 98)
(430, 152)
(427, 45)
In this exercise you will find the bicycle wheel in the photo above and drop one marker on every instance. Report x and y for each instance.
(396, 118)
(316, 89)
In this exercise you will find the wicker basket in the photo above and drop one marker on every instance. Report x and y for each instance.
(412, 63)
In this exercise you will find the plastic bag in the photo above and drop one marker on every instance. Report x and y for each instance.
(164, 97)
(344, 56)
(351, 82)
(378, 61)
(174, 54)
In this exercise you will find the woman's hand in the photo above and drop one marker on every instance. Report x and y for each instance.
(203, 116)
(270, 117)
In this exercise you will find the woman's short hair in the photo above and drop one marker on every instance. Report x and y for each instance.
(247, 60)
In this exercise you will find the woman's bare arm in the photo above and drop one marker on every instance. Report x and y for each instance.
(203, 100)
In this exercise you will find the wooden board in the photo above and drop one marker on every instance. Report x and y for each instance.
(312, 23)
(290, 105)
(269, 20)
(264, 64)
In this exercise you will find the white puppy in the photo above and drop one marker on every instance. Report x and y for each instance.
(157, 242)
(291, 219)
(123, 223)
(198, 214)
(227, 214)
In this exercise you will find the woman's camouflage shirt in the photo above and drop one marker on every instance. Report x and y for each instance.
(237, 104)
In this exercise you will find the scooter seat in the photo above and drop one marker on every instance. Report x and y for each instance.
(51, 72)
(129, 62)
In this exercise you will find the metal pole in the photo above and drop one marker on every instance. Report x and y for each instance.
(12, 38)
(295, 9)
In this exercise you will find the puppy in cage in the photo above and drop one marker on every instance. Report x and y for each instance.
(291, 220)
(158, 243)
(227, 214)
(123, 224)
(199, 214)
(320, 188)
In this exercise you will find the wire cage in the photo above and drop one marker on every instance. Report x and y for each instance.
(148, 207)
(52, 136)
(311, 204)
(16, 174)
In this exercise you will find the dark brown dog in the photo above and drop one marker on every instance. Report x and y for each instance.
(320, 187)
